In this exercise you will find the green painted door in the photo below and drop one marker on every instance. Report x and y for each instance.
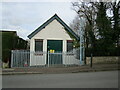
(55, 49)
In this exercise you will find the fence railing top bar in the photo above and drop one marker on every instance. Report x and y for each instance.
(44, 52)
(56, 53)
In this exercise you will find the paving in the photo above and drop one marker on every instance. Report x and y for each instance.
(65, 69)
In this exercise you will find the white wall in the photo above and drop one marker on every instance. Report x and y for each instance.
(70, 59)
(53, 31)
(36, 60)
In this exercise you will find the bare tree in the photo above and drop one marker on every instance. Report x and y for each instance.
(115, 8)
(75, 24)
(87, 10)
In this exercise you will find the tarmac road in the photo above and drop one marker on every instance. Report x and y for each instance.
(104, 79)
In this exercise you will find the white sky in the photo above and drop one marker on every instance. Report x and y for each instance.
(25, 17)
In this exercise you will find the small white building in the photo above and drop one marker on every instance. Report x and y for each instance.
(54, 36)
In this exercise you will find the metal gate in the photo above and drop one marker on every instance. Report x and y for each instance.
(55, 58)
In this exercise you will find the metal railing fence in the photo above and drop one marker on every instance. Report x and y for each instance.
(26, 58)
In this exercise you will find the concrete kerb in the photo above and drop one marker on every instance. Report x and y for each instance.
(79, 71)
(58, 70)
(20, 73)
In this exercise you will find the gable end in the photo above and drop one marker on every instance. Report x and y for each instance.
(67, 28)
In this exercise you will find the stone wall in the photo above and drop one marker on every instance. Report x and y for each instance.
(103, 60)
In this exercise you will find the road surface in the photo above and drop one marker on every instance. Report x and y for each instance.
(106, 79)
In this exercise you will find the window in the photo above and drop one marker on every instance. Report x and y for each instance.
(39, 45)
(69, 45)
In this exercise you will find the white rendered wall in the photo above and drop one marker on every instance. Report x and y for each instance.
(53, 31)
(70, 60)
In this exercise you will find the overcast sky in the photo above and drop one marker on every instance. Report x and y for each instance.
(25, 17)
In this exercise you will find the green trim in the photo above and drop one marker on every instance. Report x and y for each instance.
(67, 28)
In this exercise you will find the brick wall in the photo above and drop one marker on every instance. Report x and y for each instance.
(103, 60)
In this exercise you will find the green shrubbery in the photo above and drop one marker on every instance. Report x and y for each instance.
(11, 41)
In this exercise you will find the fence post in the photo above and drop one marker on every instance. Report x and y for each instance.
(48, 58)
(91, 60)
(11, 58)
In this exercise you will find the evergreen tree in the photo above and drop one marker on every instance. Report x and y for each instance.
(105, 42)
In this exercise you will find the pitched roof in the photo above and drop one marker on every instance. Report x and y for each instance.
(67, 28)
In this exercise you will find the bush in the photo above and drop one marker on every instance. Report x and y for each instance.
(11, 41)
(6, 55)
